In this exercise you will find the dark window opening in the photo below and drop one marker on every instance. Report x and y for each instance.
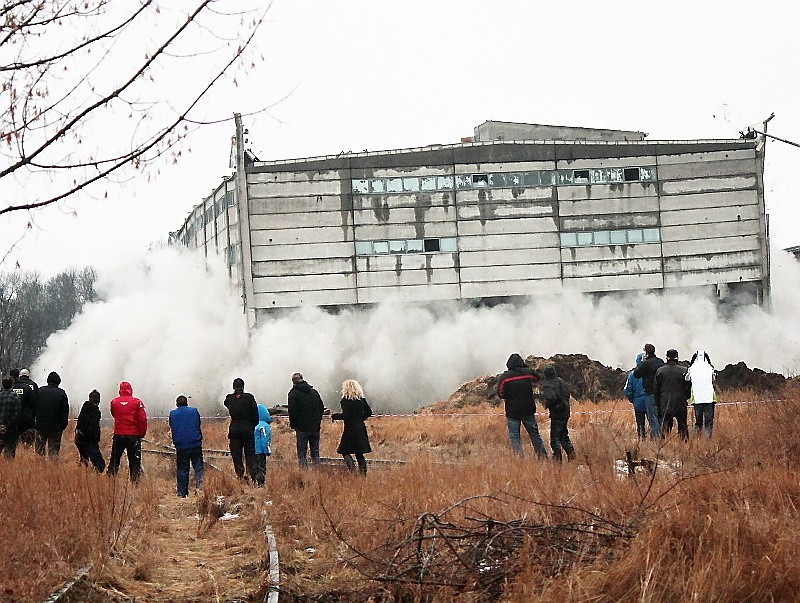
(431, 244)
(480, 180)
(630, 174)
(580, 176)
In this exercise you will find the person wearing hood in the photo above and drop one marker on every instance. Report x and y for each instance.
(87, 433)
(355, 439)
(646, 371)
(263, 443)
(10, 406)
(52, 415)
(305, 417)
(704, 397)
(187, 437)
(243, 410)
(130, 426)
(26, 389)
(671, 393)
(634, 391)
(556, 398)
(516, 389)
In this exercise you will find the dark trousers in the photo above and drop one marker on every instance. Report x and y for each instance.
(51, 440)
(90, 452)
(184, 458)
(8, 443)
(679, 415)
(351, 465)
(261, 470)
(243, 452)
(704, 418)
(307, 440)
(133, 446)
(641, 428)
(559, 437)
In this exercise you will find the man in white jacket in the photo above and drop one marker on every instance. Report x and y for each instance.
(701, 374)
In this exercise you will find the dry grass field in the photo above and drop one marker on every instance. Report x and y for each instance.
(462, 520)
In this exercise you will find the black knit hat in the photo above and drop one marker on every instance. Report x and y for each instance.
(53, 379)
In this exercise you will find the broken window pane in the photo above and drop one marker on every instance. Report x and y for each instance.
(360, 186)
(648, 174)
(448, 244)
(363, 247)
(580, 176)
(428, 183)
(631, 174)
(514, 180)
(564, 177)
(444, 183)
(569, 239)
(480, 180)
(598, 176)
(431, 244)
(380, 247)
(615, 175)
(394, 185)
(496, 180)
(464, 181)
(377, 185)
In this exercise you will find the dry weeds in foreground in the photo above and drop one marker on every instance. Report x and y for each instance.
(716, 523)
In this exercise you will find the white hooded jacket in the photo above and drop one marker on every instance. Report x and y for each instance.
(701, 374)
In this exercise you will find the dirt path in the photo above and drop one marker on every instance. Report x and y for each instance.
(183, 558)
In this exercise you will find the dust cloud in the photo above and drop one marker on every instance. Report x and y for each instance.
(171, 324)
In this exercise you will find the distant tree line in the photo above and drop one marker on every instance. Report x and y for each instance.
(32, 309)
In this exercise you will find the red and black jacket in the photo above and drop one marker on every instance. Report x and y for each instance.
(516, 388)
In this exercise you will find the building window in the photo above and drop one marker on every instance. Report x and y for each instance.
(444, 183)
(631, 174)
(569, 239)
(397, 246)
(431, 244)
(463, 182)
(377, 185)
(651, 235)
(632, 236)
(400, 246)
(480, 180)
(428, 183)
(414, 246)
(394, 185)
(363, 247)
(496, 180)
(449, 244)
(618, 237)
(580, 177)
(411, 185)
(230, 197)
(380, 247)
(361, 186)
(601, 237)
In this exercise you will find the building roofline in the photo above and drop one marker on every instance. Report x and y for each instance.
(519, 123)
(457, 145)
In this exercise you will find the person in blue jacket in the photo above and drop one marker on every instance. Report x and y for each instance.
(634, 391)
(184, 421)
(263, 439)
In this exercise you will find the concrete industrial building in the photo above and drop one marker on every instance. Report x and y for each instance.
(514, 210)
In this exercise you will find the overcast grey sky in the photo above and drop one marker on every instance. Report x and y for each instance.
(349, 76)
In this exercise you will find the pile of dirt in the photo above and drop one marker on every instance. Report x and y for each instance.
(591, 380)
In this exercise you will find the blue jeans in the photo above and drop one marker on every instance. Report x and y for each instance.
(653, 416)
(704, 418)
(533, 431)
(195, 457)
(305, 440)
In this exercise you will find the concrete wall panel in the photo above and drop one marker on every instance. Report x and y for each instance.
(608, 162)
(420, 230)
(502, 226)
(374, 295)
(609, 222)
(407, 277)
(511, 166)
(317, 282)
(712, 261)
(611, 252)
(717, 245)
(744, 153)
(289, 205)
(693, 279)
(301, 235)
(515, 287)
(492, 211)
(709, 231)
(593, 207)
(511, 256)
(699, 185)
(521, 241)
(403, 215)
(305, 251)
(278, 268)
(622, 282)
(584, 192)
(295, 189)
(290, 299)
(503, 273)
(681, 171)
(499, 195)
(299, 176)
(406, 261)
(380, 203)
(734, 213)
(317, 219)
(611, 267)
(702, 200)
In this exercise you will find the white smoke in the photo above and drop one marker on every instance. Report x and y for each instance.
(172, 324)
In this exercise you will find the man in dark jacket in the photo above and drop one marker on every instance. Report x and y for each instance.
(646, 371)
(516, 388)
(184, 422)
(305, 417)
(556, 398)
(671, 393)
(10, 405)
(52, 415)
(26, 389)
(243, 410)
(87, 433)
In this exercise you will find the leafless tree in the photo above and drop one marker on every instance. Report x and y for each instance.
(98, 90)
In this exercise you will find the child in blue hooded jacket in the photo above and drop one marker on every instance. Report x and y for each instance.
(634, 391)
(263, 438)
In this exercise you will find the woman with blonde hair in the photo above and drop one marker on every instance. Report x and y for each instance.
(355, 440)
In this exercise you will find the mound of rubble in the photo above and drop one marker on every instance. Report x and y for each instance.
(591, 380)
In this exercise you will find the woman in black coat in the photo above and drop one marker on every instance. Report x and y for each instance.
(355, 440)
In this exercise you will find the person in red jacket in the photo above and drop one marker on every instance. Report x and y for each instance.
(130, 426)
